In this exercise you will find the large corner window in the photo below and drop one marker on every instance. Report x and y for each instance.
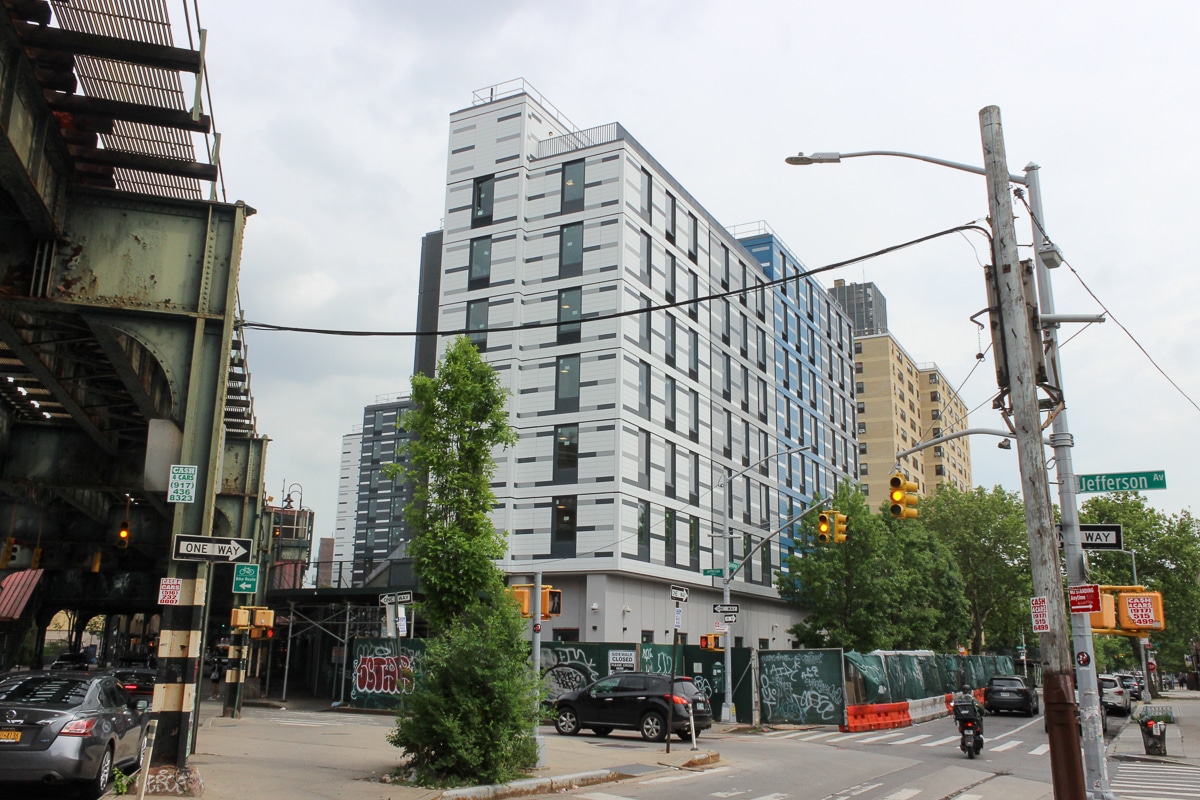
(643, 534)
(669, 404)
(644, 389)
(643, 457)
(644, 322)
(566, 454)
(669, 535)
(483, 195)
(570, 251)
(477, 322)
(479, 273)
(563, 528)
(566, 384)
(572, 186)
(570, 303)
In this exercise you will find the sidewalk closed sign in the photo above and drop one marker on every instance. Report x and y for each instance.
(1039, 607)
(182, 486)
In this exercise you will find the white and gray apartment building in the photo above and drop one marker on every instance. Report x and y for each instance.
(556, 242)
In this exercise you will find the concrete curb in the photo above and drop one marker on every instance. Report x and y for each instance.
(532, 786)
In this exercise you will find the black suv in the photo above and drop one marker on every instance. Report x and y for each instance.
(634, 701)
(1010, 693)
(73, 661)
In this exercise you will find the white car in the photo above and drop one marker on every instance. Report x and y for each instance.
(1113, 695)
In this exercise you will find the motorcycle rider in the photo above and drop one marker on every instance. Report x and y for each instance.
(968, 696)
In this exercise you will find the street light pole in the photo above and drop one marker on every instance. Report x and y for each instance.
(726, 571)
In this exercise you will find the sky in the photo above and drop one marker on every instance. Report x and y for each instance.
(335, 126)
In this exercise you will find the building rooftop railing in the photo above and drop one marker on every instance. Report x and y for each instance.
(514, 87)
(578, 140)
(744, 230)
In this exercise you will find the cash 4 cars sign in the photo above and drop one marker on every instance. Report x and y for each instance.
(1140, 610)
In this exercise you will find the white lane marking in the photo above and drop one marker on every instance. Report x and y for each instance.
(728, 794)
(903, 794)
(881, 738)
(602, 796)
(1017, 729)
(1040, 750)
(969, 797)
(794, 734)
(683, 776)
(1006, 746)
(911, 739)
(938, 742)
(849, 736)
(775, 796)
(814, 737)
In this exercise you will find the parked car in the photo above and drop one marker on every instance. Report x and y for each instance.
(634, 701)
(1113, 695)
(1010, 693)
(1130, 684)
(68, 726)
(76, 661)
(137, 681)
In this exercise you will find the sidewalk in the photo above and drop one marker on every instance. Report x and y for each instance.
(1183, 736)
(250, 758)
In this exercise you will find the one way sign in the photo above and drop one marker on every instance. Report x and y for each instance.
(1097, 537)
(211, 548)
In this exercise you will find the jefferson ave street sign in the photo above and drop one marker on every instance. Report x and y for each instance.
(1123, 482)
(211, 548)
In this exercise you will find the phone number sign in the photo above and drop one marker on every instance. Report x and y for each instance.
(182, 485)
(1040, 608)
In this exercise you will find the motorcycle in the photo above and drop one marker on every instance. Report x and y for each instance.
(969, 726)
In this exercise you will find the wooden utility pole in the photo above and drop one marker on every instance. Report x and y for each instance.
(1066, 763)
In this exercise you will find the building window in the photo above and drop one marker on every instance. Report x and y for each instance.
(570, 303)
(644, 389)
(563, 528)
(672, 212)
(858, 348)
(694, 541)
(566, 454)
(762, 400)
(726, 312)
(860, 387)
(726, 376)
(643, 530)
(669, 339)
(693, 237)
(938, 469)
(645, 268)
(647, 201)
(862, 469)
(482, 196)
(671, 469)
(727, 450)
(693, 295)
(669, 534)
(669, 290)
(724, 277)
(693, 355)
(644, 322)
(694, 479)
(477, 322)
(744, 345)
(862, 407)
(479, 272)
(570, 251)
(566, 384)
(935, 397)
(669, 393)
(761, 348)
(862, 448)
(862, 427)
(694, 415)
(933, 378)
(572, 186)
(643, 457)
(745, 388)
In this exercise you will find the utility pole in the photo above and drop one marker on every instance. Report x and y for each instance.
(1066, 764)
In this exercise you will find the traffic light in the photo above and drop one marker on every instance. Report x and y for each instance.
(521, 593)
(264, 618)
(710, 641)
(903, 497)
(824, 527)
(123, 535)
(10, 544)
(239, 618)
(551, 602)
(839, 527)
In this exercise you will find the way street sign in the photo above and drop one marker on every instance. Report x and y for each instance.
(726, 608)
(679, 594)
(211, 548)
(182, 485)
(399, 598)
(1097, 536)
(1085, 598)
(714, 573)
(1123, 482)
(245, 579)
(730, 618)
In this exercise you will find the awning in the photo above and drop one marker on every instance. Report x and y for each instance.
(15, 591)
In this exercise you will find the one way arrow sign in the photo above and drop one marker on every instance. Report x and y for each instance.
(211, 548)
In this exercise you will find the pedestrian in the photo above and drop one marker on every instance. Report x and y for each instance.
(216, 678)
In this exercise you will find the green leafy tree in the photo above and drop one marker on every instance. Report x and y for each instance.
(985, 532)
(1168, 561)
(880, 589)
(472, 714)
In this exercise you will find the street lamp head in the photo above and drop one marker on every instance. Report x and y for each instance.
(801, 160)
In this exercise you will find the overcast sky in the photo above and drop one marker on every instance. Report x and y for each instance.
(334, 123)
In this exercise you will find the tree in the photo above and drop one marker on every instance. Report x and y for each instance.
(881, 589)
(985, 531)
(472, 714)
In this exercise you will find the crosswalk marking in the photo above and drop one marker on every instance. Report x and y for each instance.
(849, 736)
(683, 776)
(939, 742)
(1139, 781)
(911, 739)
(903, 794)
(881, 738)
(1041, 749)
(794, 734)
(820, 736)
(969, 797)
(1006, 746)
(601, 796)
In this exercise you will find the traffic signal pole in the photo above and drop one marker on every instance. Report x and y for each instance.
(1066, 766)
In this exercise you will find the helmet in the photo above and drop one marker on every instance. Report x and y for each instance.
(966, 688)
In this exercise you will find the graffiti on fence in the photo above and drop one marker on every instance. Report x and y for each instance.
(567, 667)
(383, 671)
(802, 686)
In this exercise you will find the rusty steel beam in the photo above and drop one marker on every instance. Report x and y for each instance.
(145, 163)
(110, 47)
(100, 108)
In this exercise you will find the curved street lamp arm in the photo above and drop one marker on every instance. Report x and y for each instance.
(834, 158)
(746, 558)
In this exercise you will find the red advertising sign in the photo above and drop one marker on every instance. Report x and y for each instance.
(1085, 599)
(1039, 607)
